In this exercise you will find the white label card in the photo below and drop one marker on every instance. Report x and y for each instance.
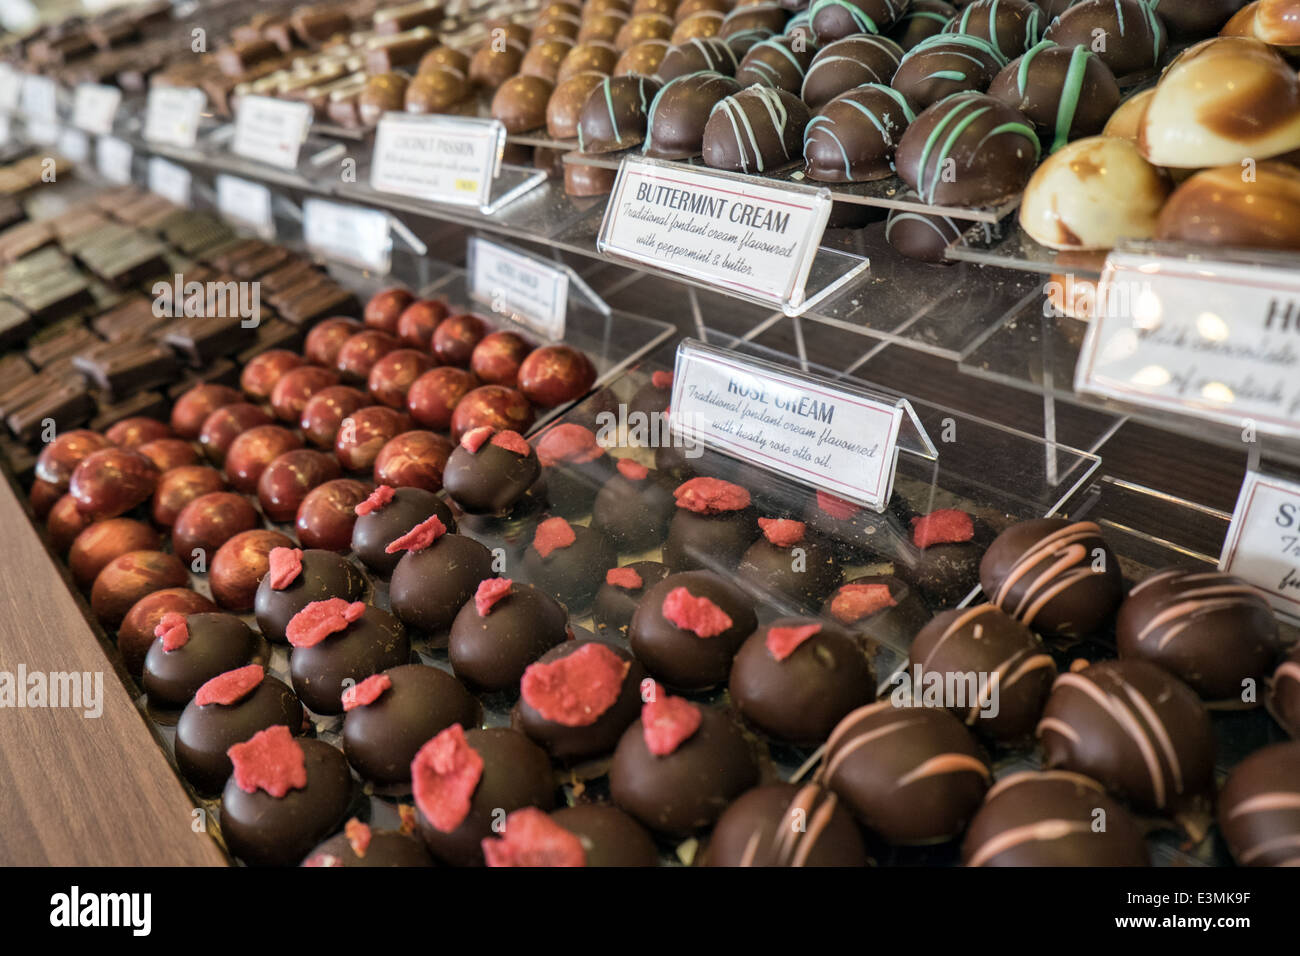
(74, 144)
(439, 158)
(1263, 544)
(271, 131)
(11, 87)
(40, 99)
(94, 107)
(1218, 341)
(757, 239)
(169, 180)
(113, 158)
(799, 426)
(247, 203)
(515, 284)
(43, 131)
(351, 233)
(172, 115)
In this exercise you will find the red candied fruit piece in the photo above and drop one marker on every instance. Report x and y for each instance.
(358, 835)
(490, 591)
(444, 774)
(270, 760)
(784, 641)
(668, 721)
(568, 443)
(946, 526)
(662, 380)
(698, 615)
(285, 566)
(319, 619)
(532, 838)
(782, 532)
(625, 578)
(553, 534)
(367, 692)
(513, 442)
(420, 537)
(475, 438)
(837, 508)
(378, 498)
(322, 859)
(230, 687)
(631, 470)
(576, 689)
(853, 602)
(173, 630)
(710, 496)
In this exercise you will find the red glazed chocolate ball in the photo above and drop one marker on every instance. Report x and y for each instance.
(103, 541)
(392, 376)
(324, 341)
(360, 353)
(134, 432)
(325, 411)
(263, 372)
(42, 497)
(65, 522)
(254, 450)
(208, 522)
(239, 565)
(363, 433)
(502, 408)
(223, 426)
(295, 389)
(285, 482)
(385, 308)
(179, 486)
(555, 374)
(328, 513)
(137, 630)
(60, 457)
(435, 394)
(455, 337)
(413, 460)
(418, 322)
(131, 576)
(193, 408)
(169, 453)
(112, 481)
(497, 358)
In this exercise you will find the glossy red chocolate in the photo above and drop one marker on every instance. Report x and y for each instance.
(240, 563)
(384, 309)
(134, 432)
(502, 408)
(42, 497)
(64, 523)
(497, 358)
(392, 376)
(285, 481)
(325, 411)
(193, 408)
(208, 522)
(137, 630)
(179, 486)
(363, 433)
(435, 394)
(112, 481)
(325, 339)
(455, 337)
(418, 322)
(253, 450)
(360, 353)
(128, 578)
(58, 459)
(105, 540)
(555, 374)
(263, 372)
(295, 389)
(328, 513)
(413, 460)
(223, 426)
(169, 453)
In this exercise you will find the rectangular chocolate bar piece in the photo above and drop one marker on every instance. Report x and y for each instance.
(287, 275)
(386, 54)
(15, 326)
(331, 300)
(221, 372)
(68, 404)
(273, 334)
(202, 339)
(131, 319)
(427, 13)
(242, 57)
(318, 24)
(262, 263)
(121, 368)
(60, 341)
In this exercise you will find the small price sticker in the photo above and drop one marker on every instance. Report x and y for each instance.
(94, 107)
(172, 115)
(169, 180)
(246, 202)
(271, 131)
(113, 158)
(352, 234)
(446, 159)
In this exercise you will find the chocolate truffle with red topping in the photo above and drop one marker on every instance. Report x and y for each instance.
(608, 836)
(464, 780)
(490, 470)
(880, 608)
(798, 677)
(285, 796)
(227, 710)
(688, 627)
(360, 845)
(653, 397)
(634, 507)
(337, 644)
(680, 764)
(387, 515)
(866, 534)
(1259, 808)
(786, 824)
(621, 592)
(295, 579)
(191, 649)
(788, 561)
(947, 546)
(578, 698)
(575, 467)
(389, 716)
(714, 525)
(568, 562)
(436, 576)
(503, 629)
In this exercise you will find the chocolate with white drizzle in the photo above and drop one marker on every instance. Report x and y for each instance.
(853, 137)
(755, 131)
(1136, 729)
(1135, 35)
(1214, 631)
(1049, 818)
(1259, 808)
(614, 116)
(913, 775)
(680, 110)
(836, 19)
(844, 64)
(776, 62)
(1010, 26)
(786, 824)
(1284, 695)
(1067, 94)
(946, 64)
(708, 53)
(922, 236)
(968, 150)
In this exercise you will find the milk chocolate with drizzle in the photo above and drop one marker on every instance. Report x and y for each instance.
(786, 824)
(755, 131)
(946, 64)
(836, 19)
(853, 137)
(1010, 26)
(848, 63)
(1067, 94)
(1259, 808)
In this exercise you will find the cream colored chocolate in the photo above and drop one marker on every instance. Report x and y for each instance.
(1220, 102)
(1127, 119)
(1091, 193)
(1224, 207)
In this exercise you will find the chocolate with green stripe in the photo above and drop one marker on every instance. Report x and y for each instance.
(770, 17)
(847, 63)
(1128, 35)
(755, 131)
(615, 114)
(853, 137)
(777, 62)
(679, 112)
(1010, 26)
(1067, 94)
(707, 53)
(837, 19)
(946, 64)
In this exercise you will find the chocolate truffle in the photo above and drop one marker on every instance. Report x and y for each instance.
(622, 590)
(1057, 576)
(1197, 18)
(1135, 35)
(111, 481)
(836, 19)
(945, 552)
(1284, 695)
(653, 397)
(609, 837)
(786, 561)
(382, 93)
(922, 236)
(502, 629)
(701, 25)
(880, 608)
(568, 562)
(298, 578)
(128, 578)
(698, 55)
(443, 90)
(777, 62)
(853, 137)
(387, 515)
(946, 64)
(493, 63)
(1067, 94)
(565, 104)
(359, 845)
(912, 775)
(240, 564)
(714, 525)
(574, 468)
(773, 122)
(680, 764)
(1214, 631)
(786, 824)
(190, 650)
(336, 645)
(594, 56)
(634, 507)
(689, 626)
(642, 59)
(284, 797)
(520, 102)
(433, 581)
(1220, 207)
(849, 63)
(389, 716)
(578, 698)
(225, 711)
(489, 471)
(923, 19)
(1010, 26)
(1050, 818)
(1134, 728)
(760, 17)
(614, 116)
(680, 111)
(1259, 807)
(543, 59)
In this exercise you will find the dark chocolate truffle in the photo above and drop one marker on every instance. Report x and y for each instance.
(944, 557)
(432, 584)
(501, 630)
(178, 664)
(680, 111)
(609, 837)
(364, 642)
(1135, 36)
(835, 19)
(1067, 94)
(786, 824)
(1284, 695)
(386, 516)
(778, 62)
(615, 114)
(617, 599)
(568, 562)
(634, 507)
(882, 609)
(489, 470)
(849, 63)
(714, 525)
(574, 468)
(359, 845)
(853, 137)
(922, 236)
(1259, 807)
(946, 64)
(1010, 26)
(520, 102)
(755, 130)
(923, 19)
(697, 55)
(322, 574)
(786, 561)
